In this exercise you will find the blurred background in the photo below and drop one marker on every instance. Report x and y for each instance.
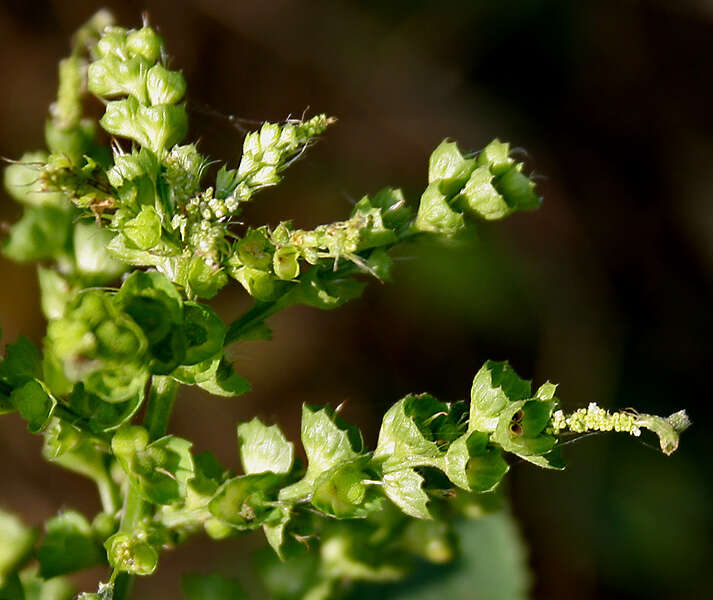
(606, 290)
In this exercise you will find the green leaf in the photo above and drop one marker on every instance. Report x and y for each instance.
(198, 373)
(211, 587)
(496, 156)
(493, 565)
(448, 168)
(155, 305)
(518, 190)
(521, 425)
(154, 127)
(90, 251)
(404, 489)
(474, 465)
(17, 542)
(22, 181)
(435, 214)
(42, 233)
(34, 403)
(204, 332)
(402, 442)
(11, 588)
(55, 292)
(480, 198)
(144, 230)
(160, 470)
(342, 493)
(37, 588)
(224, 381)
(247, 501)
(22, 362)
(495, 386)
(103, 416)
(328, 442)
(264, 448)
(68, 546)
(324, 290)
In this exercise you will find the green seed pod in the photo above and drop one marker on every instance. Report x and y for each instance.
(131, 554)
(254, 250)
(144, 230)
(204, 332)
(104, 525)
(217, 529)
(145, 43)
(22, 181)
(74, 143)
(67, 111)
(164, 86)
(496, 157)
(91, 256)
(285, 262)
(154, 127)
(112, 42)
(128, 440)
(480, 198)
(111, 76)
(261, 285)
(435, 215)
(518, 190)
(449, 168)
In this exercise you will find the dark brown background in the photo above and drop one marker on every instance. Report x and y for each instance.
(606, 290)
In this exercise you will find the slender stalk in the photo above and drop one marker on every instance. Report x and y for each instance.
(161, 399)
(254, 316)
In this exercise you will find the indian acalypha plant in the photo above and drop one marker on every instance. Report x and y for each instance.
(126, 202)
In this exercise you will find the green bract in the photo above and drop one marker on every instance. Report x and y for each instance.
(130, 238)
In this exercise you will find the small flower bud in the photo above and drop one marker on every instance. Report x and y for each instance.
(164, 86)
(145, 43)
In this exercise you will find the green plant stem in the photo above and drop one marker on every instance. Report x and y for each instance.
(254, 316)
(260, 311)
(160, 405)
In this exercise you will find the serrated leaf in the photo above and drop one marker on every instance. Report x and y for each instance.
(402, 442)
(162, 470)
(404, 489)
(526, 437)
(328, 442)
(21, 362)
(449, 168)
(495, 386)
(435, 215)
(34, 402)
(264, 448)
(224, 381)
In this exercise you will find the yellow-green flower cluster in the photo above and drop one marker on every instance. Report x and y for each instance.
(595, 418)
